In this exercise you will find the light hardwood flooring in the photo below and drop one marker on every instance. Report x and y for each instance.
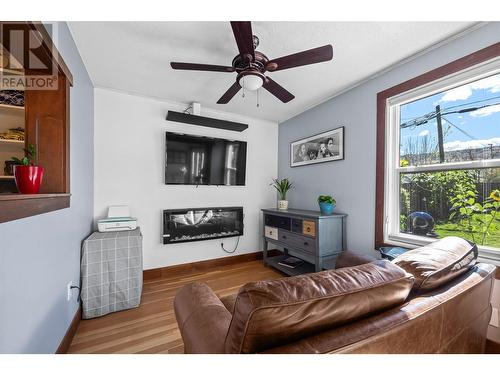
(152, 328)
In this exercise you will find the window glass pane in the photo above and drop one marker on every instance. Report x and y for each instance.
(462, 203)
(461, 124)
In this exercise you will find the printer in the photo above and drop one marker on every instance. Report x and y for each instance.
(118, 219)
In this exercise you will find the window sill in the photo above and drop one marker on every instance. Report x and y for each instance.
(489, 256)
(18, 206)
(486, 254)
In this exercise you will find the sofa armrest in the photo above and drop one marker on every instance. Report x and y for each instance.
(353, 258)
(202, 318)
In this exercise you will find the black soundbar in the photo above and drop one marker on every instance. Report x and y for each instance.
(205, 121)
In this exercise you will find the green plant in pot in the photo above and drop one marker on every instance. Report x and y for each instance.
(326, 204)
(282, 187)
(27, 173)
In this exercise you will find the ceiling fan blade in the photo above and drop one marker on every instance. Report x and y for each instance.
(228, 95)
(277, 90)
(312, 56)
(242, 31)
(204, 67)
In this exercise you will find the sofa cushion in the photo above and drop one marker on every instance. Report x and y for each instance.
(271, 313)
(439, 262)
(350, 258)
(229, 302)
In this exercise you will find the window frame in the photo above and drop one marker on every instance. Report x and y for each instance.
(470, 68)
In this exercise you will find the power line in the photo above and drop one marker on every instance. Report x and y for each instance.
(460, 130)
(431, 115)
(475, 102)
(457, 106)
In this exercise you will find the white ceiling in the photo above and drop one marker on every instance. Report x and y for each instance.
(135, 56)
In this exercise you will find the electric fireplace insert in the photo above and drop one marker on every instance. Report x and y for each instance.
(198, 224)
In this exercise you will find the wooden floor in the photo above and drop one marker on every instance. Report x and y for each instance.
(151, 328)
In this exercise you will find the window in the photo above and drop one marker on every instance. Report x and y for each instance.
(438, 164)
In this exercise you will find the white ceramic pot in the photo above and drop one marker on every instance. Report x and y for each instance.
(282, 205)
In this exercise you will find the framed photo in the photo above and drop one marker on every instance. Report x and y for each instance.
(327, 146)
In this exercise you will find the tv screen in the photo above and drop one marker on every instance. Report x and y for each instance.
(195, 160)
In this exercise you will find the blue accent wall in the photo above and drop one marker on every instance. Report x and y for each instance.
(41, 254)
(352, 181)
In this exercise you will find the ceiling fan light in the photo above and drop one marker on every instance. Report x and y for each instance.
(251, 82)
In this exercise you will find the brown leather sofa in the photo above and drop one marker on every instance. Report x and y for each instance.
(435, 299)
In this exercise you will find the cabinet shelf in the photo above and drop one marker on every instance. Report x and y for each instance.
(11, 142)
(305, 267)
(12, 107)
(7, 177)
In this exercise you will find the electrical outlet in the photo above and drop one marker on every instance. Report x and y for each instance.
(68, 288)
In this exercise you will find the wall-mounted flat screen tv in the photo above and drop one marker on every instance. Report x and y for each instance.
(195, 160)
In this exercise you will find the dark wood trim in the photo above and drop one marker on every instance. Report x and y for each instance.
(465, 62)
(51, 50)
(70, 333)
(17, 206)
(492, 347)
(380, 172)
(15, 197)
(196, 267)
(66, 116)
(497, 273)
(49, 109)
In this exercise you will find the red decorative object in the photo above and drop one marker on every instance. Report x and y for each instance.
(28, 178)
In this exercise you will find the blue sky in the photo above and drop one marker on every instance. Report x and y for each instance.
(482, 126)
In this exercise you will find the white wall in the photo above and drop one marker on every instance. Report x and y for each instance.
(129, 168)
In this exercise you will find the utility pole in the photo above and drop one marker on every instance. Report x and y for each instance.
(440, 134)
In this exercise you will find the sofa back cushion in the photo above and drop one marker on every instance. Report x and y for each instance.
(439, 262)
(271, 313)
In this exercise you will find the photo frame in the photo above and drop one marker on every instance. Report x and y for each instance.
(319, 148)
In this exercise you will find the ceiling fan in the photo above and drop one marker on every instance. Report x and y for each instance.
(251, 64)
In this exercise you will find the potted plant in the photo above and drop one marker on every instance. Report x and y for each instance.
(28, 175)
(282, 186)
(326, 204)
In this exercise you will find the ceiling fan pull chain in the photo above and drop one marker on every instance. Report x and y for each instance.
(258, 98)
(243, 87)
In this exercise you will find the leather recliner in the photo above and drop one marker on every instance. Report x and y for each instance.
(435, 299)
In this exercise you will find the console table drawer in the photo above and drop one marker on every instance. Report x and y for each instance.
(304, 227)
(277, 221)
(294, 240)
(271, 232)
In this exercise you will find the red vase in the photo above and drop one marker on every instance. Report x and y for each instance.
(28, 178)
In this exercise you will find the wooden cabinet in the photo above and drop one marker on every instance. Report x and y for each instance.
(316, 239)
(47, 126)
(46, 115)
